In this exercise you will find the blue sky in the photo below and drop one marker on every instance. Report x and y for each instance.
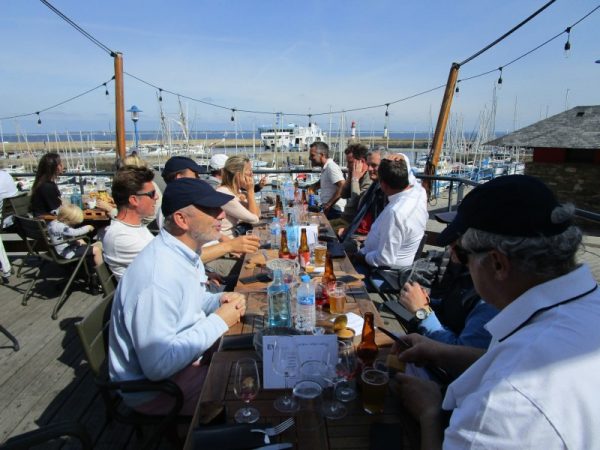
(295, 56)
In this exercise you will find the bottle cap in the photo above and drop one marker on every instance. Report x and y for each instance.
(305, 278)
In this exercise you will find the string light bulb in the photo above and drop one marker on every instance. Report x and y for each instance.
(457, 90)
(387, 113)
(159, 94)
(233, 115)
(385, 125)
(500, 77)
(568, 43)
(309, 120)
(39, 121)
(106, 94)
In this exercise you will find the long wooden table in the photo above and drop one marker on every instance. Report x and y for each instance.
(350, 432)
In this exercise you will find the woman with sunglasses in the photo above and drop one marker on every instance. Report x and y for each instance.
(237, 177)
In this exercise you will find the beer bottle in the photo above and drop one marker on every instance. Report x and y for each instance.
(278, 206)
(367, 349)
(303, 250)
(304, 201)
(328, 275)
(284, 251)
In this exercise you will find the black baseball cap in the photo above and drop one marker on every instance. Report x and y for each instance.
(183, 192)
(511, 205)
(179, 163)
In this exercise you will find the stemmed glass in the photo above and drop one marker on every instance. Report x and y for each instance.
(286, 363)
(345, 371)
(246, 386)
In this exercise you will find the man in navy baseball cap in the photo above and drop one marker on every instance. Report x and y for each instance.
(180, 167)
(183, 192)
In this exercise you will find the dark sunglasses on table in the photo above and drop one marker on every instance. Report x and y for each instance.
(462, 254)
(150, 194)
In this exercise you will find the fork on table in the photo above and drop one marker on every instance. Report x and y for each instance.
(274, 431)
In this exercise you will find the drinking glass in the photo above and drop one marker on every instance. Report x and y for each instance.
(320, 300)
(246, 386)
(332, 408)
(346, 371)
(336, 292)
(374, 389)
(308, 395)
(320, 252)
(286, 363)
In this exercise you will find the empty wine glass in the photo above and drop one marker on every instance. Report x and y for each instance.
(246, 386)
(322, 372)
(286, 363)
(345, 371)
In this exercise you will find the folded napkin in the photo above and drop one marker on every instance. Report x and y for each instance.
(230, 436)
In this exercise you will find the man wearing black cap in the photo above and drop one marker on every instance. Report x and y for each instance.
(163, 319)
(213, 254)
(536, 385)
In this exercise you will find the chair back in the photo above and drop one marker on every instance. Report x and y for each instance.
(19, 205)
(33, 232)
(93, 333)
(107, 279)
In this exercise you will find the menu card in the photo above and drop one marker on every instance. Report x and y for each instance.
(309, 348)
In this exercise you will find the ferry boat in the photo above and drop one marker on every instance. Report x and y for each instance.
(291, 137)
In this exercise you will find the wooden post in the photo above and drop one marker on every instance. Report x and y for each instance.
(119, 107)
(440, 128)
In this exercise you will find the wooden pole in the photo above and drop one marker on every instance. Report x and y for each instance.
(440, 128)
(119, 106)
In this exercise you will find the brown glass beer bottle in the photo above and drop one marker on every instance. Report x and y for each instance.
(367, 349)
(303, 250)
(284, 251)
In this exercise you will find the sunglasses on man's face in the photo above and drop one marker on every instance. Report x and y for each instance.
(150, 194)
(462, 254)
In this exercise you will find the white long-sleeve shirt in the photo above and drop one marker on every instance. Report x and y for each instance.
(395, 235)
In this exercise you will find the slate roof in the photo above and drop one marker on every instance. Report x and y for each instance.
(578, 127)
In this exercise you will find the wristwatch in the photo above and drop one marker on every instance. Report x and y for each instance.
(423, 313)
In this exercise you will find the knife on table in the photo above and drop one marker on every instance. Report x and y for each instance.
(275, 446)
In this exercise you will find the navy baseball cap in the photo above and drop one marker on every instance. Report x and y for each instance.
(179, 163)
(511, 205)
(183, 192)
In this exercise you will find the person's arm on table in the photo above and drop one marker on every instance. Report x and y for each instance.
(160, 350)
(420, 350)
(240, 244)
(335, 198)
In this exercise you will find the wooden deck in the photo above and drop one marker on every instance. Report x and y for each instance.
(47, 380)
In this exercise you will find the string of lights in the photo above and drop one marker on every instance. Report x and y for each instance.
(233, 110)
(38, 112)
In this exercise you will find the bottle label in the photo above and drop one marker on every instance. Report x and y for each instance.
(306, 300)
(304, 259)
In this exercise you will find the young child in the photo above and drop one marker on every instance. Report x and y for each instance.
(61, 229)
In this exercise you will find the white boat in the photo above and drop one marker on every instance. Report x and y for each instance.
(291, 137)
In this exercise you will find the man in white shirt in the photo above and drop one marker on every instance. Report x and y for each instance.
(536, 386)
(395, 235)
(135, 197)
(331, 182)
(8, 188)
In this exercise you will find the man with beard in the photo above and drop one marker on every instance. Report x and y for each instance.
(163, 319)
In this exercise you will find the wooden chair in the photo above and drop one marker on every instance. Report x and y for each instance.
(49, 433)
(38, 243)
(93, 332)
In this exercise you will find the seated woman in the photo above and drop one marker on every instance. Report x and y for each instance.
(45, 196)
(237, 175)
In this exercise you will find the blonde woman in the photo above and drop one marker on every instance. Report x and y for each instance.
(237, 175)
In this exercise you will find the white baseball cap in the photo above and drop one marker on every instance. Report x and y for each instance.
(218, 161)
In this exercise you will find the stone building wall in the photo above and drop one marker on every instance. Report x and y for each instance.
(571, 182)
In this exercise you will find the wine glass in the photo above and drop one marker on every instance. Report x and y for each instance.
(345, 371)
(322, 372)
(246, 386)
(286, 363)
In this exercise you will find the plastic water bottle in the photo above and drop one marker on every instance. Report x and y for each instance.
(278, 295)
(305, 305)
(275, 230)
